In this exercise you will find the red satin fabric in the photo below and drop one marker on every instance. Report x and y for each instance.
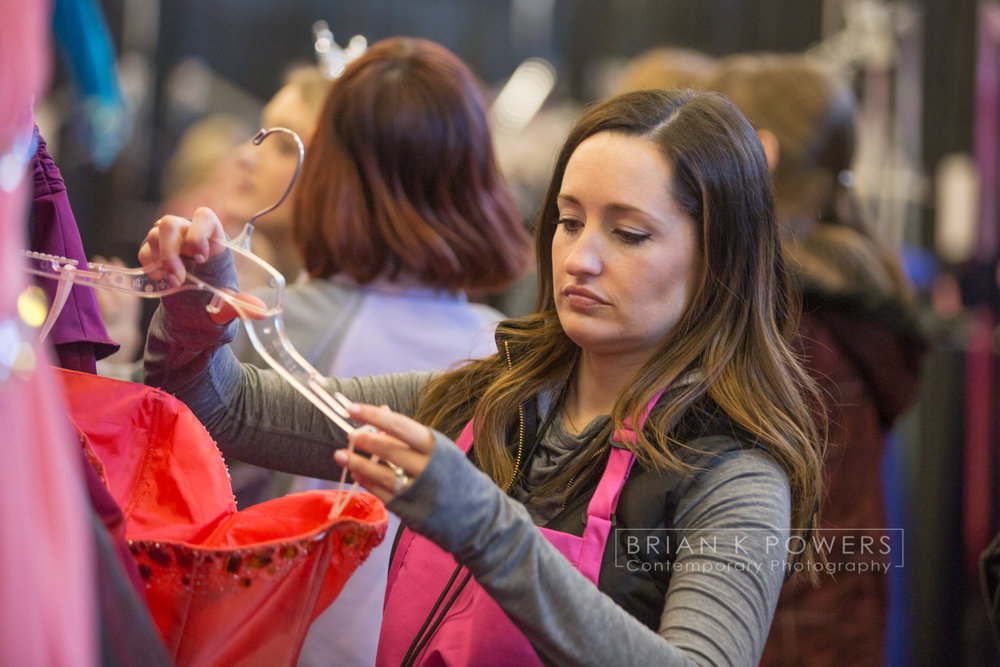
(224, 587)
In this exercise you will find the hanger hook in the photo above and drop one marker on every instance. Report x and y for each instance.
(258, 138)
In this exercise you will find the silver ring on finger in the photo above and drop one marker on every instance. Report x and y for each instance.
(401, 481)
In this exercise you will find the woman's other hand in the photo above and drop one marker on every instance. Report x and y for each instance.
(402, 443)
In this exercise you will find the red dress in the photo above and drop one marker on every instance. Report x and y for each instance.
(224, 587)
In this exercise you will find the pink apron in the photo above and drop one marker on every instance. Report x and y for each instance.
(475, 630)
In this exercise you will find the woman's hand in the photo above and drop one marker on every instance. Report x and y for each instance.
(173, 237)
(402, 443)
(199, 238)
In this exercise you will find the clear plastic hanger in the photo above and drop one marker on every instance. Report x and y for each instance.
(263, 322)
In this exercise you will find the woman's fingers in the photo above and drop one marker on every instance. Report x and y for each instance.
(417, 436)
(402, 445)
(173, 238)
(169, 237)
(160, 253)
(205, 235)
(390, 449)
(378, 478)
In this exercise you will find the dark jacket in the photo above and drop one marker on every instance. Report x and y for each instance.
(866, 356)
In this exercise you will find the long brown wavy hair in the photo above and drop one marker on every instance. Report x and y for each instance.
(733, 330)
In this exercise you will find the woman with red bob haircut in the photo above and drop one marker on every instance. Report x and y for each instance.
(400, 181)
(400, 211)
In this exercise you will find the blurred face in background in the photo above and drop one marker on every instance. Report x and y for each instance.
(263, 171)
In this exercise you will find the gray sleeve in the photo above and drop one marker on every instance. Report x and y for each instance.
(735, 522)
(243, 350)
(252, 413)
(718, 607)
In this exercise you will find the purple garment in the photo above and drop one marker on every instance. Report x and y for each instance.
(79, 336)
(128, 634)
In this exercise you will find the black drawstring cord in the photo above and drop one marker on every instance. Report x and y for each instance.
(441, 616)
(412, 651)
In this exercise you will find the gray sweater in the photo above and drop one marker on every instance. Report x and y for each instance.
(720, 600)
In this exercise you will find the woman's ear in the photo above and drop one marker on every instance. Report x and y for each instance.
(771, 148)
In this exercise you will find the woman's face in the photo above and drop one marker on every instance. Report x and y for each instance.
(263, 171)
(623, 252)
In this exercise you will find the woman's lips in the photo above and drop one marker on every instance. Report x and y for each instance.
(579, 297)
(243, 187)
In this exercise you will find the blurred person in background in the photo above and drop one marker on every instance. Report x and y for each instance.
(859, 336)
(198, 173)
(400, 211)
(216, 165)
(665, 67)
(263, 171)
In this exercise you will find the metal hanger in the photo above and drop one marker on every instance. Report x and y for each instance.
(243, 238)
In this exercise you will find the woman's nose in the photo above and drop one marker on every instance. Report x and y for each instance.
(585, 254)
(246, 154)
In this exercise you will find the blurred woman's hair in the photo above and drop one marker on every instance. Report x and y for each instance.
(811, 113)
(665, 67)
(400, 180)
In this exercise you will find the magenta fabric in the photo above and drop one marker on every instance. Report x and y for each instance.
(982, 402)
(985, 131)
(78, 335)
(476, 631)
(980, 444)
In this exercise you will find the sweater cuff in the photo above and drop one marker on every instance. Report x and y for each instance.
(450, 500)
(186, 317)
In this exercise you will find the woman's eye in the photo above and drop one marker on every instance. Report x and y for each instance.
(631, 238)
(286, 145)
(569, 224)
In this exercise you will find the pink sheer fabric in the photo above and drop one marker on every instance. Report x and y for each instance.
(47, 588)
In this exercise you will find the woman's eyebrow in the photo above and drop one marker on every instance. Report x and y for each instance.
(614, 207)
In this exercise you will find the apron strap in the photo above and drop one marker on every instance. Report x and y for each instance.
(464, 441)
(626, 435)
(600, 512)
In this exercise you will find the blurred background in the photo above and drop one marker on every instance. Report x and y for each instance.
(924, 71)
(181, 60)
